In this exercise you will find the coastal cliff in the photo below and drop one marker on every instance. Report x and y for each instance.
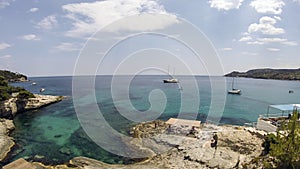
(9, 108)
(278, 74)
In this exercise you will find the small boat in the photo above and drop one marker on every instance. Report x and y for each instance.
(171, 80)
(291, 91)
(42, 90)
(33, 83)
(234, 90)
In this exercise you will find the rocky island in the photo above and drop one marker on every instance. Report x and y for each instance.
(278, 74)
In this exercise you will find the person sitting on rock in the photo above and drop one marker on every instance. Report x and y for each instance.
(193, 132)
(214, 141)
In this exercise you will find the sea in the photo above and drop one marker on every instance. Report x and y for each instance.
(54, 135)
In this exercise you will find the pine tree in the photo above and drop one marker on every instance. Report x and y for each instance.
(286, 150)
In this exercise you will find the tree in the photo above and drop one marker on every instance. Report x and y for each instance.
(3, 81)
(286, 150)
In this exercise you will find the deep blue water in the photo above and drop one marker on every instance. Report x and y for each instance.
(53, 134)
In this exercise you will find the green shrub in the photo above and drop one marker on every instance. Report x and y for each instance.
(286, 148)
(3, 81)
(6, 91)
(4, 95)
(24, 94)
(269, 139)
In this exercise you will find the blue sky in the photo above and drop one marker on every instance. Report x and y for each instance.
(45, 37)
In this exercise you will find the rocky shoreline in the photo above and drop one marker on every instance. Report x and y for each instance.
(14, 105)
(9, 109)
(6, 142)
(236, 148)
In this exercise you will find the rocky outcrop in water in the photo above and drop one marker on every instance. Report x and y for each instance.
(9, 108)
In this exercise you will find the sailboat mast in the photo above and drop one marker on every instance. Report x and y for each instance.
(232, 83)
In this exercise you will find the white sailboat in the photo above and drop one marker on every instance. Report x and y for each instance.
(234, 90)
(171, 80)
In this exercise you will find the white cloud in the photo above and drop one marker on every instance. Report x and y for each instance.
(5, 3)
(270, 40)
(141, 23)
(268, 6)
(4, 46)
(273, 49)
(250, 53)
(277, 17)
(265, 26)
(225, 4)
(90, 17)
(255, 43)
(245, 38)
(69, 47)
(33, 9)
(30, 37)
(262, 41)
(48, 22)
(290, 43)
(5, 56)
(225, 49)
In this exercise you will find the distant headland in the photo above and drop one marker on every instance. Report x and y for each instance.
(13, 77)
(277, 74)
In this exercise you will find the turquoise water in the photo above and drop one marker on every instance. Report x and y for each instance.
(53, 134)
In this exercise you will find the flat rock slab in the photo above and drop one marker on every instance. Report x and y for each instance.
(19, 164)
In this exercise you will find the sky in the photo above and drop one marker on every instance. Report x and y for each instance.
(54, 37)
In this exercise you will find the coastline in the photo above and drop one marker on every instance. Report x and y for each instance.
(237, 147)
(267, 73)
(9, 109)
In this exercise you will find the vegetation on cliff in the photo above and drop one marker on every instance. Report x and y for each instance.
(284, 147)
(12, 77)
(279, 74)
(7, 90)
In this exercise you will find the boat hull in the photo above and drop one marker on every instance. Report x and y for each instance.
(170, 81)
(234, 91)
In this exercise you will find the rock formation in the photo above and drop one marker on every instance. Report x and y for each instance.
(9, 108)
(6, 142)
(236, 147)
